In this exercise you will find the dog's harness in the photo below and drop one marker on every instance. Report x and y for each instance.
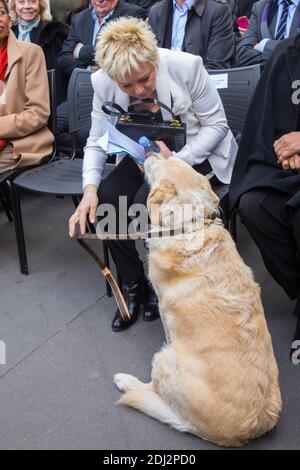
(148, 235)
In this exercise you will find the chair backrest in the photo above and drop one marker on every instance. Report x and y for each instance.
(80, 102)
(236, 87)
(52, 96)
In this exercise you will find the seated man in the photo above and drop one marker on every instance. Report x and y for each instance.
(271, 21)
(265, 184)
(24, 100)
(79, 51)
(200, 27)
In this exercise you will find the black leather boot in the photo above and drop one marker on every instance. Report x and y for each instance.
(151, 311)
(133, 292)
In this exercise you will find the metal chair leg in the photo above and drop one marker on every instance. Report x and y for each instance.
(7, 209)
(15, 197)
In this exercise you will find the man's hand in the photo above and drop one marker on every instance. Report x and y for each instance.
(87, 208)
(291, 163)
(287, 146)
(242, 30)
(76, 50)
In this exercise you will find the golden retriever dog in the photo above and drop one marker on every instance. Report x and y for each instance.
(217, 376)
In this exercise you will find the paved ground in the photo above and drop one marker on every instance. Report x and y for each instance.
(56, 390)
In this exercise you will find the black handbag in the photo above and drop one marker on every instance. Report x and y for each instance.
(136, 124)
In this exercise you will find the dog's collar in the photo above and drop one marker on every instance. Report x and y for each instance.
(158, 232)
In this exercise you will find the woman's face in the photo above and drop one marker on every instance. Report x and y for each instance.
(27, 10)
(142, 84)
(4, 24)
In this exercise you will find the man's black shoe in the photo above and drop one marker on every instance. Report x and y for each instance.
(151, 310)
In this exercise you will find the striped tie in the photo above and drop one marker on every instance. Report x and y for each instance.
(283, 19)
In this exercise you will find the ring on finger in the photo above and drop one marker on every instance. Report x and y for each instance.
(292, 164)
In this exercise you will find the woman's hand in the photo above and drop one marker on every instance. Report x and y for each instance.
(87, 208)
(164, 150)
(291, 163)
(287, 146)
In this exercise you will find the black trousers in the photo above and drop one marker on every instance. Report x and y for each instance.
(276, 232)
(127, 180)
(64, 144)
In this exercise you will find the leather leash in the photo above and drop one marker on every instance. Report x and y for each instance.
(134, 236)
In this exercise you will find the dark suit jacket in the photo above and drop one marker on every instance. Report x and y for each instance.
(241, 7)
(50, 36)
(258, 30)
(208, 32)
(82, 29)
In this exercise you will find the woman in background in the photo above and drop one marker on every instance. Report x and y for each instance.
(31, 24)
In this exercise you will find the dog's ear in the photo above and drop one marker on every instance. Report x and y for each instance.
(162, 193)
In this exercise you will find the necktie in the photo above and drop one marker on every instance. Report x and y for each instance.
(283, 20)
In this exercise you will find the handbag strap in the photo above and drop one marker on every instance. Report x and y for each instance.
(116, 110)
(153, 101)
(119, 110)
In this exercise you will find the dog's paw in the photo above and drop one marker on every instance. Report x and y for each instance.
(123, 381)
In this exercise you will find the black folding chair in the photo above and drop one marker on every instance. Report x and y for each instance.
(235, 88)
(236, 96)
(80, 104)
(60, 177)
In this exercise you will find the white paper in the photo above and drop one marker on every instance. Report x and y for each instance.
(220, 80)
(113, 141)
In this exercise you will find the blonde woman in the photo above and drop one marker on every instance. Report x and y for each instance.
(132, 67)
(31, 24)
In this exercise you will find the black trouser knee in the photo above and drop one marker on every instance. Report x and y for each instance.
(278, 241)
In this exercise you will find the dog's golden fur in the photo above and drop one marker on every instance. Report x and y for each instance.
(217, 376)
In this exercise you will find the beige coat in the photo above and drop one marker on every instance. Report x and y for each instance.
(24, 105)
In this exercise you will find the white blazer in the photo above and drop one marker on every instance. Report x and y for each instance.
(195, 99)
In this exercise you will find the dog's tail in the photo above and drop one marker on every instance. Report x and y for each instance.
(151, 403)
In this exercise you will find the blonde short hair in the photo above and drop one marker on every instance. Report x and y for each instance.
(124, 45)
(13, 14)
